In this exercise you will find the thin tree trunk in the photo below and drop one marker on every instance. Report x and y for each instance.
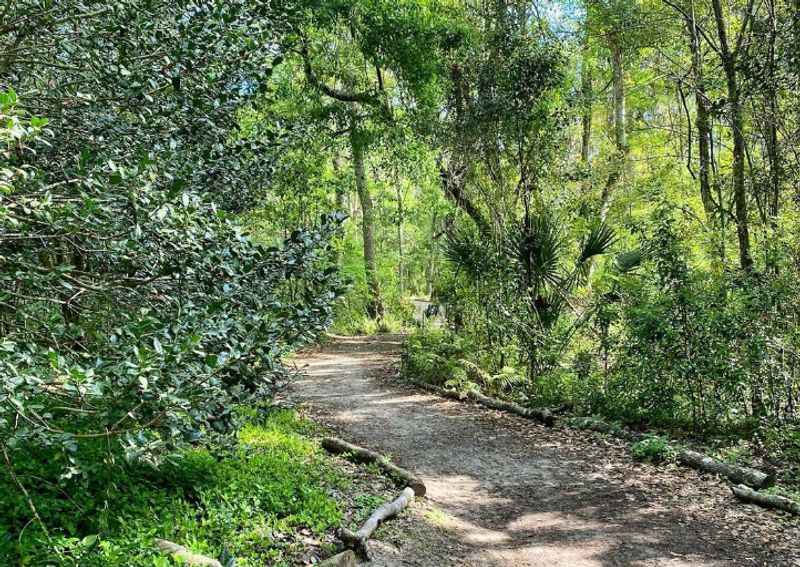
(586, 104)
(737, 126)
(339, 205)
(431, 265)
(374, 305)
(701, 104)
(620, 137)
(773, 150)
(618, 68)
(401, 259)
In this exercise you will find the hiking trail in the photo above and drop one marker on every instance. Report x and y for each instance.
(505, 491)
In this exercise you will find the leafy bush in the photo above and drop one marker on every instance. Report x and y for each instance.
(150, 336)
(136, 314)
(653, 448)
(698, 349)
(432, 356)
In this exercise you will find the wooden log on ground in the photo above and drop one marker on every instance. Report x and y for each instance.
(362, 455)
(358, 540)
(747, 494)
(188, 557)
(347, 558)
(542, 415)
(740, 475)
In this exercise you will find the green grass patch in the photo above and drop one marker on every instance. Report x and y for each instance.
(248, 500)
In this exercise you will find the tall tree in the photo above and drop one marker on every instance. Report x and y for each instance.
(728, 55)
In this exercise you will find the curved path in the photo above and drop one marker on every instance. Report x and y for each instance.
(503, 491)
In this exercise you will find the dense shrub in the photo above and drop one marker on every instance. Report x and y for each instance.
(151, 336)
(693, 347)
(136, 313)
(432, 356)
(663, 342)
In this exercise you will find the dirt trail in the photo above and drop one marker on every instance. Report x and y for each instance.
(503, 491)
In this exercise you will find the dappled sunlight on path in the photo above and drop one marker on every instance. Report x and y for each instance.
(506, 491)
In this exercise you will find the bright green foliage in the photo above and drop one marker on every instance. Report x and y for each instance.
(652, 448)
(695, 348)
(246, 500)
(600, 200)
(647, 317)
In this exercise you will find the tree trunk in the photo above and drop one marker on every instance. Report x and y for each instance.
(586, 106)
(401, 259)
(773, 150)
(430, 268)
(618, 80)
(452, 185)
(737, 126)
(620, 137)
(701, 104)
(339, 205)
(375, 304)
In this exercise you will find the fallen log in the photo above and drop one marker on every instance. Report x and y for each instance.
(362, 455)
(182, 553)
(740, 475)
(346, 558)
(542, 415)
(358, 540)
(747, 494)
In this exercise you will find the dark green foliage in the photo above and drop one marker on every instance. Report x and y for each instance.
(145, 313)
(136, 313)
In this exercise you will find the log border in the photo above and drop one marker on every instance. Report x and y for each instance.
(357, 541)
(542, 415)
(352, 452)
(189, 557)
(775, 501)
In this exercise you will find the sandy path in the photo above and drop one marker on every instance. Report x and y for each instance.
(503, 491)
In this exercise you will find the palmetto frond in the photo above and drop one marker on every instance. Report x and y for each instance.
(465, 251)
(600, 238)
(626, 262)
(538, 249)
(596, 243)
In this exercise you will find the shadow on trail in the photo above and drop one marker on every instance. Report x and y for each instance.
(511, 492)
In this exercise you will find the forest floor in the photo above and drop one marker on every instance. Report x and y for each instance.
(505, 491)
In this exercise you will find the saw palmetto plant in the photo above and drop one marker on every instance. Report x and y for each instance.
(530, 274)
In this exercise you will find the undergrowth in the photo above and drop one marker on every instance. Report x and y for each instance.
(455, 361)
(247, 501)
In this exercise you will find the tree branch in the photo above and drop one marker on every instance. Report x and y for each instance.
(364, 97)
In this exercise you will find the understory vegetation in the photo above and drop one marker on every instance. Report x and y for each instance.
(251, 501)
